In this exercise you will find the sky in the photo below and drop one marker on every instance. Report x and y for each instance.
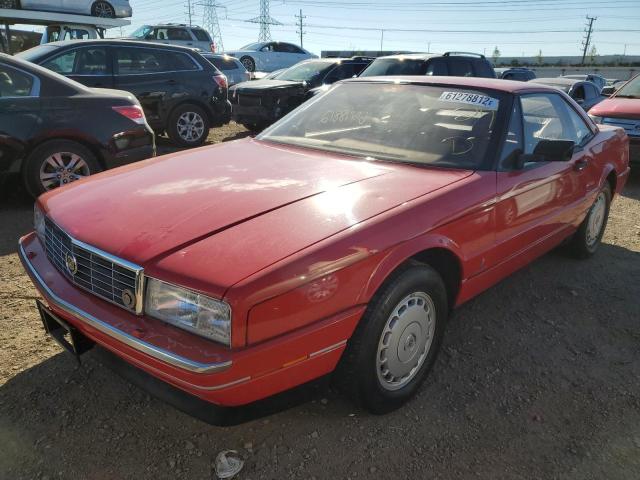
(516, 27)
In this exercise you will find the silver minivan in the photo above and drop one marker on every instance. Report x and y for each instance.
(176, 34)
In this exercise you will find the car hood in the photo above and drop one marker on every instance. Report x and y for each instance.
(258, 86)
(617, 107)
(231, 194)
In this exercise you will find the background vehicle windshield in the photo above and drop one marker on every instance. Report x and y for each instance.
(395, 66)
(252, 46)
(305, 72)
(631, 89)
(440, 126)
(142, 32)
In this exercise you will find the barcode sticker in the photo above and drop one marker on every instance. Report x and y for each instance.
(487, 103)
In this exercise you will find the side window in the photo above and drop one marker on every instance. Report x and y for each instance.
(437, 66)
(142, 60)
(62, 64)
(180, 34)
(340, 72)
(269, 47)
(14, 83)
(578, 92)
(201, 35)
(513, 142)
(76, 34)
(508, 76)
(460, 67)
(547, 116)
(359, 67)
(483, 69)
(294, 48)
(178, 61)
(582, 131)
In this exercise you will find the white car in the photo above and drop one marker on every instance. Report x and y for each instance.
(96, 8)
(270, 56)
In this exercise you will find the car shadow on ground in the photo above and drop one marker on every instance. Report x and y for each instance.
(549, 353)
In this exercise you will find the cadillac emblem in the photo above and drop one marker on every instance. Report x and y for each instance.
(128, 299)
(71, 263)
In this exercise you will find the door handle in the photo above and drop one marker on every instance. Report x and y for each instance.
(580, 164)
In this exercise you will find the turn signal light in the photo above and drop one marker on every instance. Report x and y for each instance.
(132, 112)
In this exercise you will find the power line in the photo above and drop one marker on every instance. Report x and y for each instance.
(301, 26)
(587, 40)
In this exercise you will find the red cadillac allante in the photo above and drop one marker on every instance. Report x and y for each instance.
(338, 239)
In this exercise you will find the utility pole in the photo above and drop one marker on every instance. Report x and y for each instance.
(301, 26)
(189, 11)
(587, 40)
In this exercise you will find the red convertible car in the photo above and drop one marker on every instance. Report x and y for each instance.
(338, 239)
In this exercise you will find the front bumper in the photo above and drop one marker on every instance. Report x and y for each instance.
(258, 114)
(199, 367)
(134, 146)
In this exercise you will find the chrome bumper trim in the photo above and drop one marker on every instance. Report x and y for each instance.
(129, 340)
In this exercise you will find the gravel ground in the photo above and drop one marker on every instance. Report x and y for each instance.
(539, 379)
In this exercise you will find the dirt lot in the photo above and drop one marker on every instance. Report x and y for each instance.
(539, 378)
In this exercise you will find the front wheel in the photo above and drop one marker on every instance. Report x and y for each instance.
(397, 340)
(57, 163)
(588, 237)
(188, 126)
(103, 9)
(10, 4)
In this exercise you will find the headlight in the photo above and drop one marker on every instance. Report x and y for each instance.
(188, 310)
(596, 118)
(38, 222)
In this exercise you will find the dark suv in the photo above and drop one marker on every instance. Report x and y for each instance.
(181, 93)
(455, 64)
(260, 103)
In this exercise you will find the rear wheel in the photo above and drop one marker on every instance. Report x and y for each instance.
(9, 3)
(58, 163)
(188, 126)
(103, 9)
(248, 63)
(588, 237)
(397, 340)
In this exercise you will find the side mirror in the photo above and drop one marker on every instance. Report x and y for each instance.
(554, 150)
(546, 151)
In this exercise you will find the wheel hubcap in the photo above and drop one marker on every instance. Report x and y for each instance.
(62, 168)
(247, 64)
(596, 219)
(104, 10)
(405, 340)
(190, 126)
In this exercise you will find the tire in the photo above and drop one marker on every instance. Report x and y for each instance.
(587, 239)
(103, 9)
(188, 125)
(394, 324)
(10, 4)
(39, 172)
(248, 63)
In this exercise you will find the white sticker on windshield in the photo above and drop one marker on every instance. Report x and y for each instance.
(487, 103)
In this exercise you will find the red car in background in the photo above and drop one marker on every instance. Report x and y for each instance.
(338, 239)
(622, 110)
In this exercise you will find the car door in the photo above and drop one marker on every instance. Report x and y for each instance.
(542, 198)
(268, 59)
(20, 111)
(143, 72)
(90, 65)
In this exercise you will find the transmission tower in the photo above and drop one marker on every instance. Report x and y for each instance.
(264, 20)
(211, 23)
(588, 31)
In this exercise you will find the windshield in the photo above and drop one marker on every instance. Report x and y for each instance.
(631, 89)
(309, 72)
(33, 54)
(395, 66)
(440, 126)
(252, 46)
(142, 32)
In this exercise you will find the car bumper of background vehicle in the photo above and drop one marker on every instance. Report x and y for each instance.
(213, 373)
(254, 114)
(129, 147)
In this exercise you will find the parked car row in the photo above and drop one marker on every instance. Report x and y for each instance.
(95, 8)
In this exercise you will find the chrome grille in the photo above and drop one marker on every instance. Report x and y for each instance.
(631, 127)
(110, 278)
